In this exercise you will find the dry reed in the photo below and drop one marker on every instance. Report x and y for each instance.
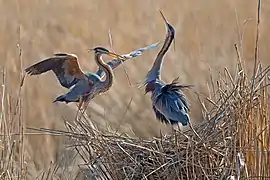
(236, 137)
(235, 145)
(12, 147)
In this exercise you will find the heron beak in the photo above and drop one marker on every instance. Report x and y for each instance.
(163, 17)
(89, 50)
(116, 56)
(168, 26)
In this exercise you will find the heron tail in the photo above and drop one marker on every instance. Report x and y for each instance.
(61, 98)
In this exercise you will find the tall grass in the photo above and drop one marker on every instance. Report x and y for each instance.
(12, 131)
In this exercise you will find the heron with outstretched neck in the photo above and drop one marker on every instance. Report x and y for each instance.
(169, 103)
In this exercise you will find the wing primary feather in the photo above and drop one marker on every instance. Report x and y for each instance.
(174, 85)
(61, 54)
(42, 67)
(162, 118)
(65, 66)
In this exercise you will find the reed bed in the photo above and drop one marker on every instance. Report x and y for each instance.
(236, 139)
(234, 144)
(12, 161)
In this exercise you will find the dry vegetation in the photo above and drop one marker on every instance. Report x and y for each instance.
(232, 108)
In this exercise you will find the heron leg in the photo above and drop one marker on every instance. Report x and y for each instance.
(84, 106)
(181, 132)
(179, 128)
(83, 103)
(79, 105)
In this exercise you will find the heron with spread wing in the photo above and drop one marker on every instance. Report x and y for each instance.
(83, 85)
(168, 101)
(67, 69)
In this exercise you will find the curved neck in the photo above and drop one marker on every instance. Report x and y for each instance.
(154, 72)
(107, 83)
(114, 63)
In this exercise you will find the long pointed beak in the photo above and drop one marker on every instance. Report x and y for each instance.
(116, 56)
(163, 17)
(169, 27)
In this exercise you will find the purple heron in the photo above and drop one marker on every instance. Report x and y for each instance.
(169, 103)
(67, 69)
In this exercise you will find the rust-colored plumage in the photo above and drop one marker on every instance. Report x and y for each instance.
(67, 69)
(65, 66)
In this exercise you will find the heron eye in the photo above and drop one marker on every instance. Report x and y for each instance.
(138, 53)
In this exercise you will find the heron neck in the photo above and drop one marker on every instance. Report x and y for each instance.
(154, 73)
(114, 63)
(107, 83)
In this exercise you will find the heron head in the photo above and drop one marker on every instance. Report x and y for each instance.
(169, 27)
(102, 50)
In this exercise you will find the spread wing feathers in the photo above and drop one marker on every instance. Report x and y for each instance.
(114, 63)
(65, 67)
(171, 105)
(162, 118)
(175, 86)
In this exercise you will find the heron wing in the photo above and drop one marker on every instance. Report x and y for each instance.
(77, 91)
(65, 66)
(92, 76)
(162, 118)
(174, 89)
(172, 104)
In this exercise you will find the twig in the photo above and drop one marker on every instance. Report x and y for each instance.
(111, 40)
(122, 119)
(256, 42)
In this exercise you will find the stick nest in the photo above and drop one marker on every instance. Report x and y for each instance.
(234, 139)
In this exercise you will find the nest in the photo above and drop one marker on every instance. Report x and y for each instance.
(235, 139)
(233, 142)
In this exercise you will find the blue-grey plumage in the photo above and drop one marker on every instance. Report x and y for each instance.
(63, 65)
(169, 103)
(67, 70)
(79, 90)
